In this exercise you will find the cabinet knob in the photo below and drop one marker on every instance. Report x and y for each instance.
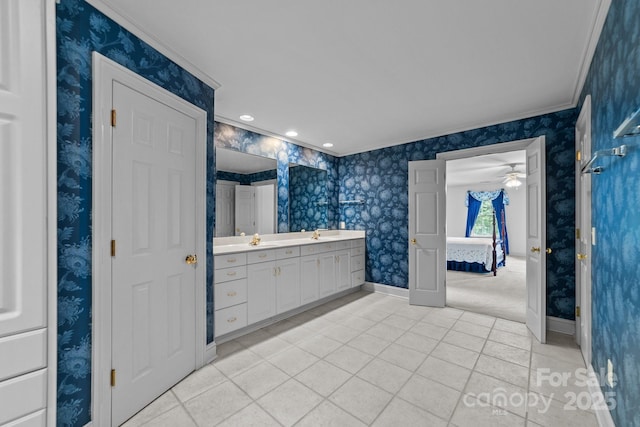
(232, 319)
(232, 294)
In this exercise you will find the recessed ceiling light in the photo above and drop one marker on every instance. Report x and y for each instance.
(327, 144)
(292, 133)
(246, 118)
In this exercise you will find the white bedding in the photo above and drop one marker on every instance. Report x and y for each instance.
(473, 249)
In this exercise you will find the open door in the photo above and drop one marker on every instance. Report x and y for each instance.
(427, 233)
(536, 239)
(245, 210)
(583, 232)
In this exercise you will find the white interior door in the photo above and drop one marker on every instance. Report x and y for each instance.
(225, 209)
(536, 239)
(153, 288)
(245, 210)
(583, 232)
(265, 209)
(427, 233)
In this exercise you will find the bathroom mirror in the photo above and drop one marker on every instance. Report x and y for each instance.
(308, 198)
(246, 194)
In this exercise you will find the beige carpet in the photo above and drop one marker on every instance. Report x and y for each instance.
(501, 296)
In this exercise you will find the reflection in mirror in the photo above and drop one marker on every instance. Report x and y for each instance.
(246, 194)
(308, 200)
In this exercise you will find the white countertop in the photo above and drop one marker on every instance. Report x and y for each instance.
(229, 245)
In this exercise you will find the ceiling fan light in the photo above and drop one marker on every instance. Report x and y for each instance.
(513, 183)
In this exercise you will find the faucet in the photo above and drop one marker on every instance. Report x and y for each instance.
(255, 241)
(316, 234)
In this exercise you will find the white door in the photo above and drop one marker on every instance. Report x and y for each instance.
(24, 244)
(265, 210)
(327, 273)
(225, 209)
(343, 270)
(427, 233)
(287, 284)
(153, 288)
(245, 210)
(583, 232)
(309, 279)
(261, 291)
(536, 239)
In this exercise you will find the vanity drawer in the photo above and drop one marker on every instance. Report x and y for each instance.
(357, 243)
(357, 250)
(284, 253)
(326, 247)
(357, 278)
(230, 260)
(309, 249)
(231, 318)
(228, 274)
(230, 293)
(357, 262)
(261, 256)
(23, 395)
(342, 244)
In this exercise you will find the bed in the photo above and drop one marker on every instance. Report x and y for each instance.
(476, 254)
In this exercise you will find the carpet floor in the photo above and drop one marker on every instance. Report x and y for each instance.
(502, 296)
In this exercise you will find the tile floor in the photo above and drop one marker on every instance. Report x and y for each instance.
(370, 359)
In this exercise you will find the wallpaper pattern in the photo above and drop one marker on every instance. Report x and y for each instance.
(247, 179)
(307, 198)
(614, 85)
(380, 178)
(284, 152)
(81, 29)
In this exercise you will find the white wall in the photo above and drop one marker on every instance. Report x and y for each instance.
(515, 212)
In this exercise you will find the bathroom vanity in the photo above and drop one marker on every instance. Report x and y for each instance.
(281, 276)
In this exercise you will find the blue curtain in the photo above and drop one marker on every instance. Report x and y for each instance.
(472, 213)
(498, 206)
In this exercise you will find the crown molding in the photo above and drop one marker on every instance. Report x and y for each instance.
(590, 50)
(133, 26)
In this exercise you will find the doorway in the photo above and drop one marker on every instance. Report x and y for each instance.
(427, 228)
(148, 231)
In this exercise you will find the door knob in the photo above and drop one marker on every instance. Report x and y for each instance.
(582, 256)
(414, 241)
(191, 259)
(535, 249)
(548, 250)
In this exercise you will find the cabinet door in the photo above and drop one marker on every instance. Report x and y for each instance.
(261, 291)
(287, 284)
(343, 270)
(309, 279)
(327, 274)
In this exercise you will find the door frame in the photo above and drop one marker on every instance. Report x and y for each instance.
(105, 71)
(503, 147)
(583, 126)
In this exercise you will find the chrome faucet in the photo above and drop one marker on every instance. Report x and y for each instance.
(255, 241)
(316, 234)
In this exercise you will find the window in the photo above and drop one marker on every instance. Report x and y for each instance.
(484, 223)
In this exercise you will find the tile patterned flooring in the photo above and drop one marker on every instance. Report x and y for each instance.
(371, 359)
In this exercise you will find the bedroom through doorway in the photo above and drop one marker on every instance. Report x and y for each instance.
(486, 195)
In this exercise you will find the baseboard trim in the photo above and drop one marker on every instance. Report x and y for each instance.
(379, 288)
(602, 413)
(210, 353)
(563, 326)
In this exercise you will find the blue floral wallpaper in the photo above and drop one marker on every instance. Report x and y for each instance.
(284, 152)
(614, 85)
(247, 179)
(80, 30)
(380, 178)
(307, 198)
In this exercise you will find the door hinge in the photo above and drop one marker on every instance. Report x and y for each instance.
(113, 248)
(113, 378)
(577, 311)
(113, 118)
(578, 156)
(578, 233)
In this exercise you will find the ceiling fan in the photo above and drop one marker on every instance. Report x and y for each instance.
(512, 177)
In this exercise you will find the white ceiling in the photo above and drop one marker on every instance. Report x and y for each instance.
(234, 161)
(365, 74)
(490, 168)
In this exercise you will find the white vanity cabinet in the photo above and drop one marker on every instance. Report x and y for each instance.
(259, 284)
